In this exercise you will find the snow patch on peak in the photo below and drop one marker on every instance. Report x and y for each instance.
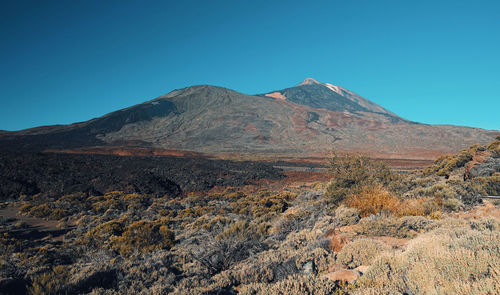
(334, 88)
(309, 81)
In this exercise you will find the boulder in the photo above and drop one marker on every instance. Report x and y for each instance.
(485, 169)
(345, 275)
(337, 241)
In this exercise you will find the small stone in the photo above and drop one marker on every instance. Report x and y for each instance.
(307, 269)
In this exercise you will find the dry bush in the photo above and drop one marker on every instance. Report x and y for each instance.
(485, 224)
(351, 173)
(346, 216)
(376, 200)
(9, 244)
(452, 204)
(243, 230)
(214, 224)
(439, 190)
(51, 282)
(419, 206)
(444, 165)
(319, 258)
(448, 260)
(361, 252)
(373, 200)
(263, 205)
(494, 147)
(294, 285)
(236, 242)
(100, 235)
(143, 236)
(404, 227)
(491, 184)
(129, 237)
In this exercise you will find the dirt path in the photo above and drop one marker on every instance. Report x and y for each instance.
(35, 227)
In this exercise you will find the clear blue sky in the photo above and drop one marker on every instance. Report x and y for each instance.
(427, 61)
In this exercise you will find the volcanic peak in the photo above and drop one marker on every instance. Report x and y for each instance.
(309, 81)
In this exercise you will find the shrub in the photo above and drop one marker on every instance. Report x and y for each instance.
(352, 173)
(295, 284)
(40, 211)
(101, 234)
(404, 227)
(376, 200)
(242, 230)
(143, 236)
(361, 252)
(439, 190)
(25, 208)
(452, 204)
(418, 206)
(9, 244)
(494, 147)
(459, 261)
(444, 165)
(485, 224)
(211, 223)
(51, 282)
(346, 216)
(58, 214)
(217, 255)
(373, 200)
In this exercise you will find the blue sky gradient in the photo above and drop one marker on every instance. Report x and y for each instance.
(433, 62)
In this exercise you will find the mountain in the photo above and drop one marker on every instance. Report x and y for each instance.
(314, 94)
(309, 119)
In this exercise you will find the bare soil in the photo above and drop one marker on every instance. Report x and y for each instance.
(33, 227)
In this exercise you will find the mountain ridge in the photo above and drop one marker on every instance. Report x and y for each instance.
(308, 119)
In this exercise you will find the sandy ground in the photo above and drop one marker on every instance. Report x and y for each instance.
(34, 227)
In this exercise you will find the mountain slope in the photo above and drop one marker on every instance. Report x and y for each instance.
(331, 97)
(310, 119)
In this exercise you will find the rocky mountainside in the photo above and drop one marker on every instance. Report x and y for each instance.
(310, 119)
(314, 94)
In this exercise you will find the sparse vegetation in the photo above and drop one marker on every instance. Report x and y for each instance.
(392, 232)
(459, 261)
(361, 252)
